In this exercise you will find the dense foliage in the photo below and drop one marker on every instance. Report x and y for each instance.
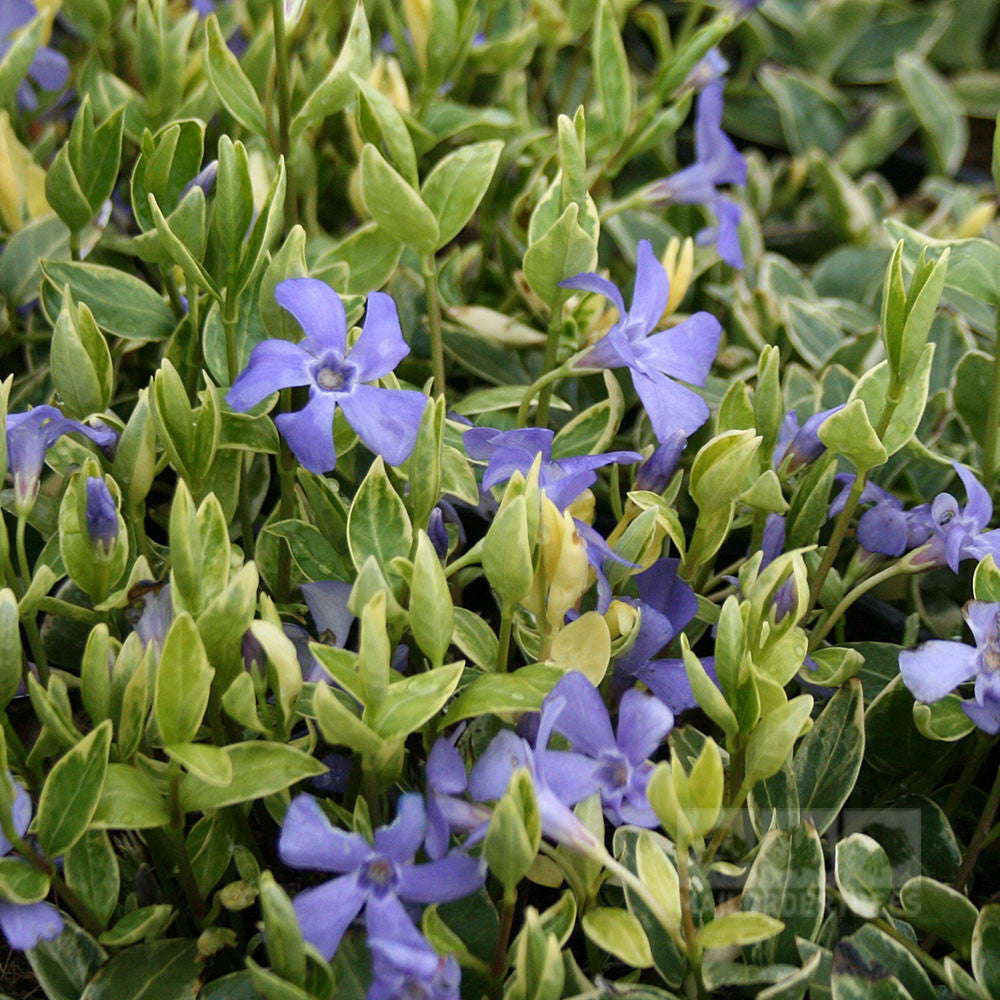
(498, 499)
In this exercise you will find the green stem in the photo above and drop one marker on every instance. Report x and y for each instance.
(822, 629)
(498, 964)
(549, 362)
(56, 606)
(185, 872)
(230, 320)
(615, 492)
(286, 505)
(30, 622)
(548, 379)
(723, 829)
(194, 321)
(932, 965)
(429, 270)
(467, 558)
(992, 417)
(284, 110)
(74, 244)
(969, 772)
(978, 841)
(503, 646)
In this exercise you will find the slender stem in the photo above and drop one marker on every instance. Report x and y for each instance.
(74, 244)
(284, 110)
(498, 964)
(684, 884)
(429, 270)
(615, 492)
(467, 558)
(64, 609)
(549, 363)
(174, 293)
(194, 321)
(722, 831)
(969, 772)
(185, 872)
(992, 417)
(286, 506)
(979, 836)
(30, 623)
(548, 379)
(821, 630)
(503, 646)
(230, 320)
(932, 965)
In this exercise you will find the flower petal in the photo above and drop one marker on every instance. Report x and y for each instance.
(445, 768)
(643, 722)
(937, 667)
(685, 351)
(883, 529)
(986, 716)
(652, 290)
(274, 365)
(491, 774)
(584, 720)
(983, 620)
(979, 507)
(571, 776)
(319, 312)
(309, 432)
(309, 840)
(401, 838)
(451, 877)
(386, 420)
(327, 602)
(381, 346)
(324, 913)
(49, 69)
(25, 925)
(590, 282)
(671, 407)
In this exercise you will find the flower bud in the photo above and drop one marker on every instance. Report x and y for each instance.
(101, 516)
(564, 561)
(656, 472)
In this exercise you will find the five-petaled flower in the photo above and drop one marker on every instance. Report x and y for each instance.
(386, 420)
(685, 351)
(369, 877)
(936, 668)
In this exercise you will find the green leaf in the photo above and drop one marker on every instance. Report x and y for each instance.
(939, 113)
(371, 256)
(507, 552)
(183, 683)
(413, 700)
(146, 922)
(876, 948)
(161, 970)
(610, 68)
(81, 362)
(285, 947)
(863, 874)
(944, 720)
(475, 638)
(122, 304)
(564, 251)
(787, 881)
(620, 934)
(91, 871)
(986, 949)
(72, 791)
(210, 763)
(130, 801)
(259, 769)
(10, 647)
(849, 433)
(377, 524)
(457, 184)
(514, 832)
(65, 965)
(394, 205)
(520, 691)
(311, 550)
(432, 615)
(772, 739)
(971, 388)
(827, 761)
(20, 883)
(720, 468)
(340, 726)
(738, 929)
(18, 56)
(229, 82)
(935, 907)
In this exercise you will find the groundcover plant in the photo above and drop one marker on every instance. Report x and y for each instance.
(498, 499)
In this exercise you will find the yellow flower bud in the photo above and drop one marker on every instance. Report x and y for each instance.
(678, 261)
(22, 181)
(417, 14)
(620, 618)
(564, 562)
(582, 508)
(975, 221)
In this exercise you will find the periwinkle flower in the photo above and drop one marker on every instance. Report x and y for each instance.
(666, 604)
(712, 67)
(562, 479)
(49, 69)
(717, 163)
(29, 437)
(101, 515)
(25, 924)
(621, 767)
(886, 527)
(447, 811)
(369, 877)
(386, 420)
(936, 668)
(655, 473)
(404, 965)
(153, 610)
(799, 446)
(685, 351)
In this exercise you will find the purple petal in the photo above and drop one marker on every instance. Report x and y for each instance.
(381, 346)
(15, 14)
(671, 407)
(445, 768)
(386, 919)
(327, 602)
(985, 716)
(652, 290)
(883, 529)
(451, 877)
(25, 925)
(274, 365)
(656, 471)
(667, 679)
(49, 69)
(608, 352)
(386, 420)
(438, 836)
(661, 587)
(590, 282)
(936, 668)
(309, 840)
(685, 351)
(725, 234)
(979, 508)
(643, 723)
(319, 312)
(401, 838)
(584, 719)
(983, 621)
(324, 913)
(571, 776)
(21, 815)
(309, 432)
(491, 774)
